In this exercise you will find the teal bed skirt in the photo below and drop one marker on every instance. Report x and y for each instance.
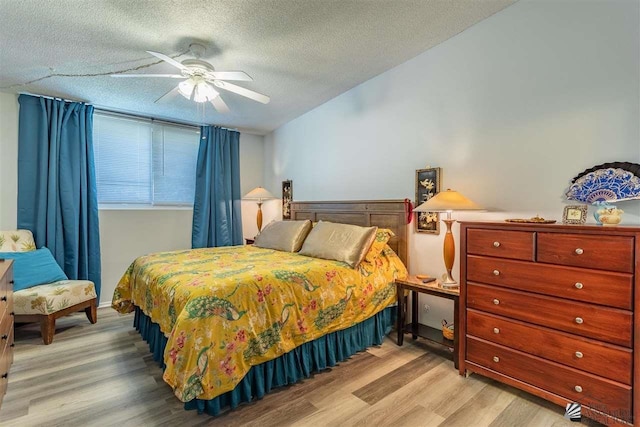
(300, 363)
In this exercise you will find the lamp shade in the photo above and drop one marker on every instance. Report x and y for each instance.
(449, 200)
(259, 194)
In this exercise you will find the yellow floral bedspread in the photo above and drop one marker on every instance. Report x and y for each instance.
(227, 309)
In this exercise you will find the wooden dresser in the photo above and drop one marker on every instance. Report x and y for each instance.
(550, 309)
(6, 323)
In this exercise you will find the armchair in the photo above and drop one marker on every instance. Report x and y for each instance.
(47, 302)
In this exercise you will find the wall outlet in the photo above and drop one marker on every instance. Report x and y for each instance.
(426, 308)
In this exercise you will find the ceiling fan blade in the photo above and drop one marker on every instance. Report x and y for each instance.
(173, 92)
(229, 75)
(242, 91)
(220, 105)
(171, 61)
(169, 76)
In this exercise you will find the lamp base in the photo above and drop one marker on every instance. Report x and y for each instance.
(448, 281)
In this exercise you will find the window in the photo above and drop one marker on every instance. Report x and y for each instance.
(139, 161)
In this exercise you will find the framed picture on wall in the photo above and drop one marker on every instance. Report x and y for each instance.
(287, 197)
(427, 186)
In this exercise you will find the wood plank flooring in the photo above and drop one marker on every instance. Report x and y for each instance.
(103, 375)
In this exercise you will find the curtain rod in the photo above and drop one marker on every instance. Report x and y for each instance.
(118, 113)
(52, 97)
(141, 116)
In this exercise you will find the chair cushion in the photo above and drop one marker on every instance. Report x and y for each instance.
(34, 268)
(16, 241)
(47, 299)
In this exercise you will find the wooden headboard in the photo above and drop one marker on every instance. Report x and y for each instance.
(382, 213)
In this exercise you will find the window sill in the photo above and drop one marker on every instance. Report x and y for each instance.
(133, 207)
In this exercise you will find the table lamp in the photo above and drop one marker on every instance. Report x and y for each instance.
(259, 194)
(448, 201)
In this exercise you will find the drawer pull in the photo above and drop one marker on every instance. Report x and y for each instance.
(4, 298)
(578, 389)
(496, 359)
(578, 285)
(11, 282)
(4, 337)
(12, 345)
(579, 354)
(496, 273)
(5, 375)
(496, 330)
(579, 251)
(496, 301)
(12, 314)
(496, 244)
(579, 320)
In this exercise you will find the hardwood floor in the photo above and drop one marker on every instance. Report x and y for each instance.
(103, 375)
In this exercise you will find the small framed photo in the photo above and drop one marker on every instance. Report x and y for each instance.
(574, 214)
(427, 186)
(287, 198)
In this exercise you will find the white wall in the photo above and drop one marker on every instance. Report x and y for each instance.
(124, 233)
(8, 161)
(252, 170)
(511, 109)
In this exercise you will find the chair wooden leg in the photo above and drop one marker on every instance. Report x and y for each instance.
(48, 328)
(92, 312)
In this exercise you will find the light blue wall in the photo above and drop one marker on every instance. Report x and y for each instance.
(511, 109)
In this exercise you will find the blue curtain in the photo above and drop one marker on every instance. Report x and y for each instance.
(57, 197)
(217, 219)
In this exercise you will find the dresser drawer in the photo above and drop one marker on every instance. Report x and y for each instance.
(6, 357)
(6, 330)
(578, 318)
(503, 244)
(595, 286)
(613, 253)
(5, 294)
(588, 355)
(577, 386)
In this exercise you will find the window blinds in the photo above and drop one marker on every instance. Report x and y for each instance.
(141, 162)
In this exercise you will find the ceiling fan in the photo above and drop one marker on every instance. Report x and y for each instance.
(200, 78)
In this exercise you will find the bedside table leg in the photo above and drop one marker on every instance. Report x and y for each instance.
(414, 315)
(400, 316)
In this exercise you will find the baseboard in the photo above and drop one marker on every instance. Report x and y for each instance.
(105, 304)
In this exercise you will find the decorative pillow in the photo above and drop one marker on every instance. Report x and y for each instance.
(33, 268)
(283, 235)
(340, 242)
(17, 241)
(383, 235)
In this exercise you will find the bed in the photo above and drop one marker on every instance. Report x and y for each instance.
(230, 324)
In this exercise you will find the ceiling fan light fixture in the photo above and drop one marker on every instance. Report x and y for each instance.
(204, 92)
(198, 91)
(186, 88)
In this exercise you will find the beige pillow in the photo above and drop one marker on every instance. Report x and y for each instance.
(283, 235)
(340, 242)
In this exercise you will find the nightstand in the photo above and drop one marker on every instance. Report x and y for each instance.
(248, 241)
(416, 329)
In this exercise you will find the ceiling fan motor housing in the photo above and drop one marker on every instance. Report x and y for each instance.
(197, 66)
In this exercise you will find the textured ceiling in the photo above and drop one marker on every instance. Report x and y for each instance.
(300, 52)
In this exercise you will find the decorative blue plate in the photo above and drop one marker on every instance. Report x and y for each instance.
(607, 184)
